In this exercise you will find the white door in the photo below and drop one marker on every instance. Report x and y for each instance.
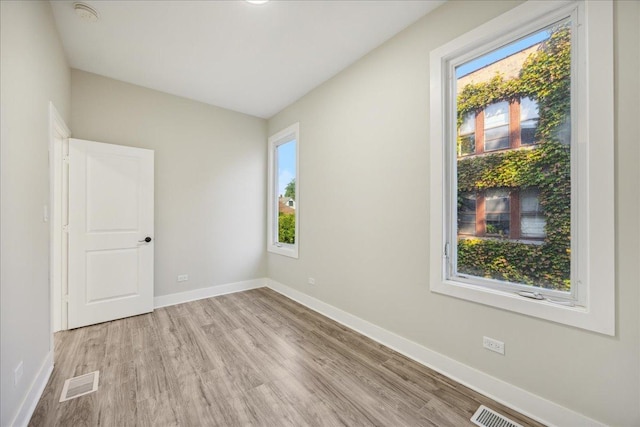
(110, 216)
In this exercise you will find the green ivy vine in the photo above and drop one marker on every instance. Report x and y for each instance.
(545, 77)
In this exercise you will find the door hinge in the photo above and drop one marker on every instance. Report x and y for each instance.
(446, 250)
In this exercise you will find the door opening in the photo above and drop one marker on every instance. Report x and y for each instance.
(58, 218)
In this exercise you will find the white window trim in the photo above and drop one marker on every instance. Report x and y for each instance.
(593, 102)
(286, 135)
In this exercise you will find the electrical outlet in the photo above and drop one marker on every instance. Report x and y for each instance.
(312, 281)
(183, 277)
(493, 345)
(17, 373)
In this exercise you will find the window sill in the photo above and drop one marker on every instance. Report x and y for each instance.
(285, 249)
(577, 316)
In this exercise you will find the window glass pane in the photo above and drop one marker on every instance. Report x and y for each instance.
(528, 131)
(467, 225)
(498, 224)
(497, 201)
(528, 120)
(532, 225)
(467, 135)
(497, 209)
(535, 69)
(286, 189)
(496, 114)
(467, 214)
(529, 201)
(496, 138)
(466, 144)
(468, 124)
(532, 221)
(528, 109)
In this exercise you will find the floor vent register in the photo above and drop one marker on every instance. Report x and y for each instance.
(485, 417)
(79, 386)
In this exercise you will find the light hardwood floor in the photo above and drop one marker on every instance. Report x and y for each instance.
(249, 358)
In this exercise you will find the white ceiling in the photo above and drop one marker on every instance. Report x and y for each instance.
(255, 59)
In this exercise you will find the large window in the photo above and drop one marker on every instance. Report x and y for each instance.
(517, 174)
(283, 209)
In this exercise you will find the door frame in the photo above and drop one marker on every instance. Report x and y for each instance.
(57, 211)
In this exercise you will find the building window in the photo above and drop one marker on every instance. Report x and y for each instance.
(528, 121)
(284, 193)
(504, 125)
(467, 214)
(497, 213)
(517, 218)
(504, 214)
(496, 126)
(532, 220)
(467, 135)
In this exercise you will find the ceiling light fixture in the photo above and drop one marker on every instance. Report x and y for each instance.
(257, 1)
(85, 12)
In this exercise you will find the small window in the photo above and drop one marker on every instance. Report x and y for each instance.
(528, 121)
(283, 212)
(467, 135)
(532, 220)
(496, 126)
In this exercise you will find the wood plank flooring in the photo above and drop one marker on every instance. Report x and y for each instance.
(249, 358)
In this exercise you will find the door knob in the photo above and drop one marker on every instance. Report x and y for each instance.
(146, 239)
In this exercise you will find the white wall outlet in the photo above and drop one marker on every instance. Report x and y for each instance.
(312, 281)
(493, 345)
(183, 277)
(17, 373)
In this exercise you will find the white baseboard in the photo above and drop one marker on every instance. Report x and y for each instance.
(529, 404)
(211, 291)
(35, 392)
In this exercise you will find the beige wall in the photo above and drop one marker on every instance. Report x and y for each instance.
(210, 169)
(33, 71)
(364, 221)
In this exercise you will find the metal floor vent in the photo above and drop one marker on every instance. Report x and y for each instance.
(486, 417)
(79, 386)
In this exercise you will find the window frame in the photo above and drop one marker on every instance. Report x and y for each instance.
(290, 133)
(592, 172)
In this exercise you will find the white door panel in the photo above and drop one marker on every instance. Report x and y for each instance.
(110, 215)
